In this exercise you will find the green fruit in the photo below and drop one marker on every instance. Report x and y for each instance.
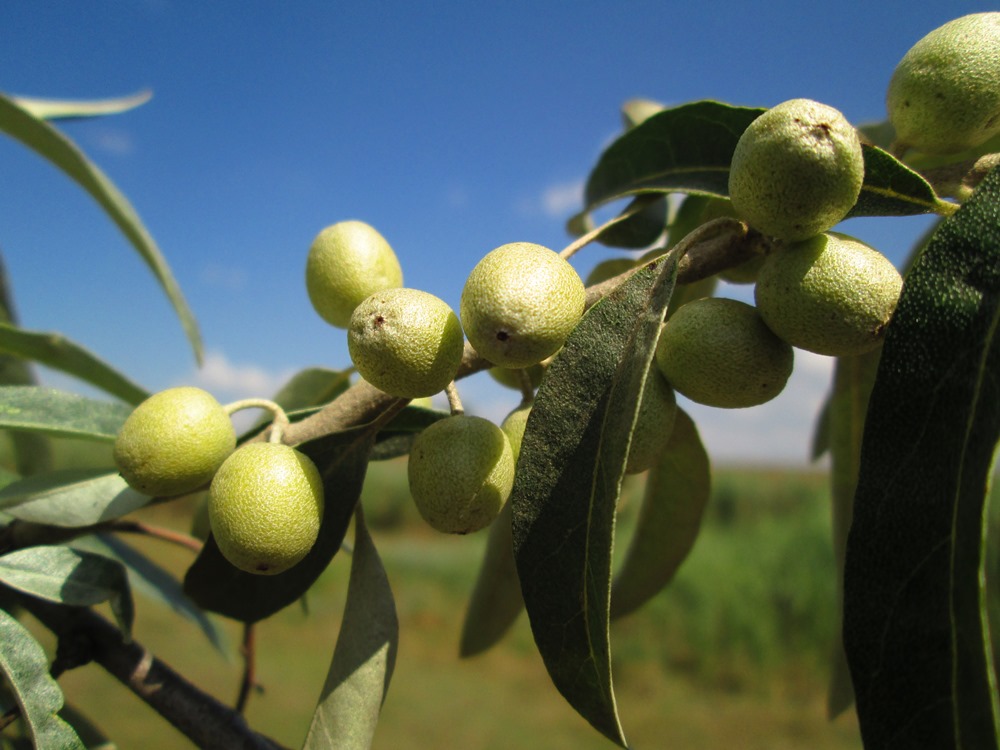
(520, 303)
(797, 170)
(405, 342)
(511, 377)
(719, 352)
(513, 427)
(348, 262)
(654, 423)
(608, 269)
(831, 294)
(944, 95)
(173, 442)
(265, 507)
(744, 273)
(460, 472)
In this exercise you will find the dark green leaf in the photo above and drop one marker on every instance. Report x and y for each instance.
(150, 580)
(71, 577)
(677, 491)
(28, 407)
(71, 497)
(23, 664)
(641, 230)
(313, 386)
(396, 438)
(496, 599)
(689, 149)
(569, 476)
(52, 145)
(914, 618)
(685, 149)
(56, 351)
(216, 585)
(893, 189)
(71, 109)
(852, 386)
(364, 657)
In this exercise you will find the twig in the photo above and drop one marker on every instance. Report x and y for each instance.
(248, 649)
(157, 532)
(207, 722)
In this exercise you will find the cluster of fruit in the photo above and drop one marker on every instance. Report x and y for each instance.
(519, 304)
(265, 499)
(797, 171)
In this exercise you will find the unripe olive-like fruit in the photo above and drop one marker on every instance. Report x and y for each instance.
(512, 377)
(513, 426)
(265, 507)
(654, 423)
(461, 471)
(944, 95)
(173, 442)
(719, 352)
(608, 269)
(831, 294)
(405, 342)
(348, 262)
(520, 303)
(797, 170)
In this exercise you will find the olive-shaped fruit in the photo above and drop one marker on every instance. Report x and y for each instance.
(348, 262)
(520, 303)
(797, 170)
(405, 342)
(719, 352)
(513, 426)
(609, 268)
(461, 470)
(173, 442)
(944, 95)
(265, 507)
(654, 423)
(511, 377)
(831, 294)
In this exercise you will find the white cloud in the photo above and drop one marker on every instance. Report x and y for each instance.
(232, 278)
(562, 199)
(229, 381)
(778, 432)
(113, 141)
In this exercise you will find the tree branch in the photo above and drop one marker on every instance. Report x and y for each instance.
(207, 722)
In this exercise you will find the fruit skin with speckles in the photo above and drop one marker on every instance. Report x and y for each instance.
(797, 170)
(944, 95)
(347, 262)
(460, 472)
(719, 352)
(520, 303)
(173, 442)
(266, 507)
(831, 294)
(405, 342)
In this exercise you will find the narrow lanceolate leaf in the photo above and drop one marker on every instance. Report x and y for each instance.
(641, 230)
(568, 480)
(52, 145)
(689, 149)
(677, 491)
(845, 420)
(216, 585)
(24, 666)
(28, 407)
(70, 109)
(313, 386)
(364, 657)
(496, 599)
(71, 577)
(58, 352)
(71, 498)
(152, 581)
(915, 626)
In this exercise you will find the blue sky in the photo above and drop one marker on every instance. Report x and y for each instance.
(452, 127)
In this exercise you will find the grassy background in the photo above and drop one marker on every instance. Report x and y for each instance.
(733, 654)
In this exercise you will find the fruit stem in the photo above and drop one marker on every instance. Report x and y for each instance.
(279, 421)
(584, 240)
(527, 389)
(454, 402)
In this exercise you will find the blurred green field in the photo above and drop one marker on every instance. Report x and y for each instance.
(733, 654)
